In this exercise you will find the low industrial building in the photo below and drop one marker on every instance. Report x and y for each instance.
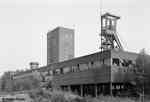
(99, 73)
(108, 72)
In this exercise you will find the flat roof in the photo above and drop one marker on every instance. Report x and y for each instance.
(77, 60)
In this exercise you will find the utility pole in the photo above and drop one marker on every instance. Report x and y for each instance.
(143, 73)
(143, 80)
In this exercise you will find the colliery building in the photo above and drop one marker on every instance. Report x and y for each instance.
(99, 73)
(109, 71)
(60, 45)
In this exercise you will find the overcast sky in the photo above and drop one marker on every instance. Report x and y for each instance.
(24, 24)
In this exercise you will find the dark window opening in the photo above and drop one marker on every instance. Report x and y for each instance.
(116, 61)
(129, 61)
(61, 71)
(126, 63)
(92, 63)
(134, 70)
(78, 67)
(103, 61)
(54, 72)
(57, 71)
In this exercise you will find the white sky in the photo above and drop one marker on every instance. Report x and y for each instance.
(24, 24)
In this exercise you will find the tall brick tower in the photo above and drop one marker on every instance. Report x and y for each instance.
(60, 45)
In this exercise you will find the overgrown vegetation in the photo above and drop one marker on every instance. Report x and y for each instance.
(59, 96)
(8, 84)
(142, 79)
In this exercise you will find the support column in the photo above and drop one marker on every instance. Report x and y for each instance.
(110, 88)
(95, 90)
(103, 89)
(81, 90)
(69, 88)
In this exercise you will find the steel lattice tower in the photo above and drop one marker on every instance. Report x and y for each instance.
(109, 38)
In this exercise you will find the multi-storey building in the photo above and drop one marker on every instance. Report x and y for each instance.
(60, 45)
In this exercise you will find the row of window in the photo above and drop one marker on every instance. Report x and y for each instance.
(122, 62)
(131, 70)
(91, 65)
(124, 65)
(81, 67)
(77, 68)
(117, 87)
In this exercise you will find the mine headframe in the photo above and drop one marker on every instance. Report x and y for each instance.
(109, 37)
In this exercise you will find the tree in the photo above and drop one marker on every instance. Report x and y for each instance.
(142, 79)
(26, 84)
(6, 81)
(143, 71)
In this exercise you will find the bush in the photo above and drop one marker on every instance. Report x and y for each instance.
(59, 96)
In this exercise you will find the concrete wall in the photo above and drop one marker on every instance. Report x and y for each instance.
(91, 69)
(66, 44)
(91, 76)
(60, 45)
(52, 46)
(120, 73)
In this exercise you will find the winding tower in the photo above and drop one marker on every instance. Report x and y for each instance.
(109, 37)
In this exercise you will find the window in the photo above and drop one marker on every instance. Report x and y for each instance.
(96, 64)
(48, 73)
(92, 63)
(103, 61)
(61, 71)
(117, 86)
(66, 70)
(54, 72)
(44, 73)
(57, 71)
(89, 65)
(51, 72)
(107, 61)
(127, 63)
(116, 61)
(83, 67)
(74, 69)
(78, 67)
